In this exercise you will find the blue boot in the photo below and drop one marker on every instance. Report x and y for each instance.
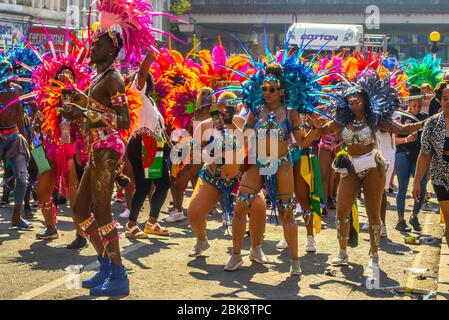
(116, 285)
(101, 276)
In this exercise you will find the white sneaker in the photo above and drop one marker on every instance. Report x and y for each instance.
(310, 246)
(342, 259)
(298, 209)
(295, 268)
(227, 221)
(256, 254)
(125, 214)
(364, 227)
(174, 216)
(199, 248)
(384, 231)
(374, 261)
(282, 244)
(234, 262)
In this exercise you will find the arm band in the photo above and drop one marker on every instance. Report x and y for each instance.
(119, 100)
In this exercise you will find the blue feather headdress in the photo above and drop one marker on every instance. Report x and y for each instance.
(383, 98)
(22, 60)
(302, 89)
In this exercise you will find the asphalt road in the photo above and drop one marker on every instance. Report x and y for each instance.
(160, 268)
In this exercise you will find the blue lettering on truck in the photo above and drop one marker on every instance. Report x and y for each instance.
(325, 37)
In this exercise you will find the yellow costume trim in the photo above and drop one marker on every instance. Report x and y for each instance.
(307, 174)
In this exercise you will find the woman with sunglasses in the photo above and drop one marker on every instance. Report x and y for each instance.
(368, 107)
(273, 166)
(221, 141)
(190, 171)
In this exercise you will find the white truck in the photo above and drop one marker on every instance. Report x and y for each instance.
(335, 37)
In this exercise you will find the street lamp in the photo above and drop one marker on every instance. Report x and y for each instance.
(435, 37)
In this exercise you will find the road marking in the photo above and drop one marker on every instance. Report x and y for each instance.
(60, 281)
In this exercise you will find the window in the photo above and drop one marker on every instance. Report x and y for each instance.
(24, 2)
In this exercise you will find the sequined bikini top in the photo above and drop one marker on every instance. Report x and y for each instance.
(363, 136)
(283, 128)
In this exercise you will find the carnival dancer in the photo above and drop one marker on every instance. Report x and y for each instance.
(367, 106)
(190, 171)
(108, 122)
(308, 185)
(329, 144)
(269, 111)
(52, 81)
(279, 89)
(19, 56)
(13, 146)
(221, 139)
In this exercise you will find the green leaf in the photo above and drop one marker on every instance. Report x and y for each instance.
(190, 108)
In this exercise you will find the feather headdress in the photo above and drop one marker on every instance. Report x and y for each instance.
(334, 63)
(427, 71)
(46, 88)
(303, 91)
(14, 59)
(383, 98)
(218, 66)
(133, 20)
(177, 80)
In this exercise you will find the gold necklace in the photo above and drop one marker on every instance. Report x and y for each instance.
(96, 80)
(99, 77)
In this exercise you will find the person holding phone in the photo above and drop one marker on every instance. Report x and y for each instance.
(221, 140)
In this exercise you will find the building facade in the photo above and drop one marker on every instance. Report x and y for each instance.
(408, 23)
(18, 17)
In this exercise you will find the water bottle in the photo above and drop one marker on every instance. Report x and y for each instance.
(427, 240)
(416, 270)
(75, 269)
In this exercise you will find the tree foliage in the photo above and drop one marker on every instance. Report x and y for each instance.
(179, 6)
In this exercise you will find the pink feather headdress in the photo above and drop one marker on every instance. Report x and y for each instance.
(46, 88)
(218, 66)
(133, 20)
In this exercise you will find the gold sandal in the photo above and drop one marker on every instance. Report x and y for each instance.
(155, 229)
(131, 234)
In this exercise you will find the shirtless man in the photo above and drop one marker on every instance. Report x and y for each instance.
(105, 109)
(14, 147)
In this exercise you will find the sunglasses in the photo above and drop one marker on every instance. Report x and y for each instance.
(270, 89)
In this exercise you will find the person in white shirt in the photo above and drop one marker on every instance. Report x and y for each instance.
(150, 128)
